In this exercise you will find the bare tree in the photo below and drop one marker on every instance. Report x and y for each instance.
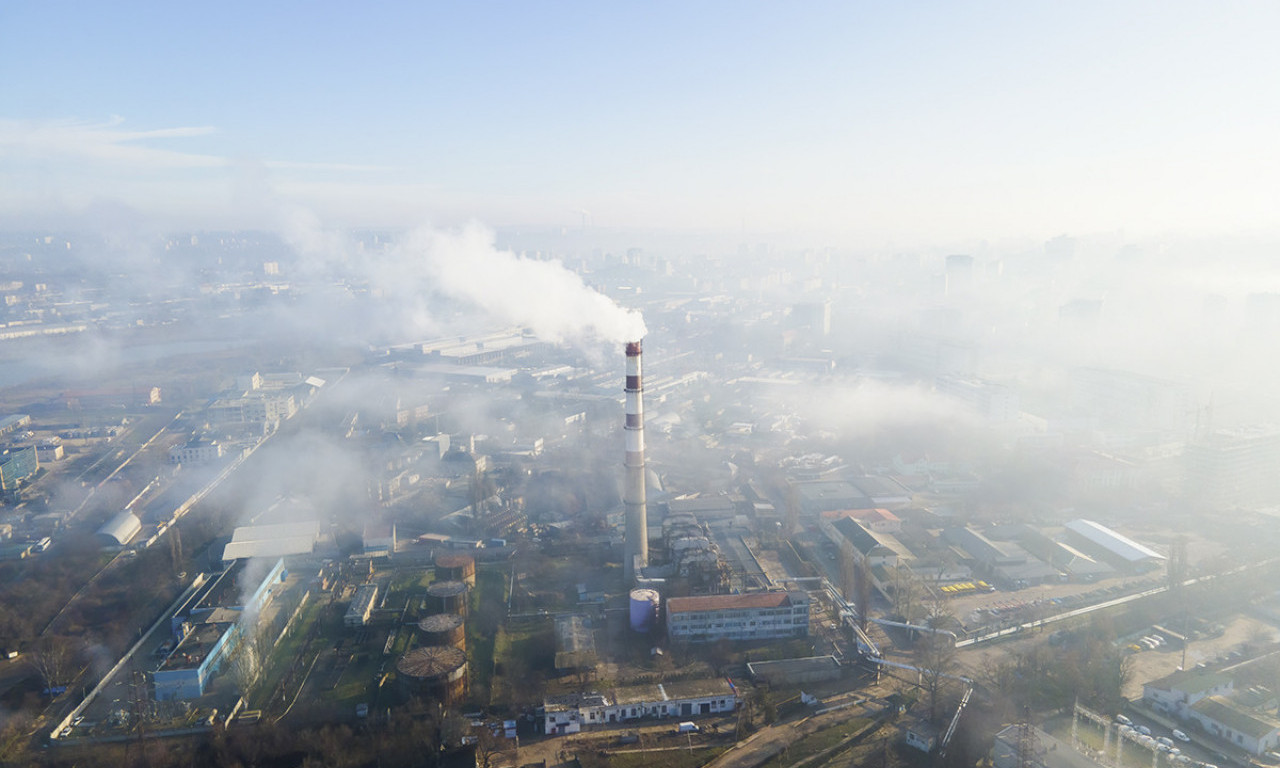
(935, 657)
(175, 549)
(488, 745)
(251, 653)
(848, 571)
(55, 660)
(906, 590)
(862, 592)
(245, 665)
(938, 613)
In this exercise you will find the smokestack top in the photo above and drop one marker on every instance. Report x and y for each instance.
(633, 349)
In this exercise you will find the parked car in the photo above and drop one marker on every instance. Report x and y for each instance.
(1144, 730)
(1121, 719)
(1180, 736)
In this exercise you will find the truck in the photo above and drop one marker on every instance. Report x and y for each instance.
(687, 727)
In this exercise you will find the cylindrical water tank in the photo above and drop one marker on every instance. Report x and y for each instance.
(449, 596)
(444, 629)
(435, 672)
(644, 607)
(456, 567)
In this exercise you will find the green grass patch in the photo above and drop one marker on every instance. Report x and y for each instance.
(488, 611)
(524, 656)
(404, 640)
(356, 683)
(284, 654)
(817, 742)
(412, 581)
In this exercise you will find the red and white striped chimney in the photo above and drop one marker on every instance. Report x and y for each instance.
(637, 535)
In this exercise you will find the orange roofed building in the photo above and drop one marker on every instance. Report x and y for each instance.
(753, 616)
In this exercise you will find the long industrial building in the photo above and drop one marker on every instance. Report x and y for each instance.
(1114, 546)
(690, 698)
(753, 616)
(208, 629)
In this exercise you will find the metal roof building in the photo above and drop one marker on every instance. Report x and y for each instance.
(276, 540)
(1113, 543)
(120, 529)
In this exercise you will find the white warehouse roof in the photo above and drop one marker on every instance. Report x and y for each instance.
(276, 540)
(1118, 545)
(121, 528)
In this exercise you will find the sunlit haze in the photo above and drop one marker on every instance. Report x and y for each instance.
(593, 384)
(840, 123)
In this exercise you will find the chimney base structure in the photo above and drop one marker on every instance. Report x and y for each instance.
(636, 547)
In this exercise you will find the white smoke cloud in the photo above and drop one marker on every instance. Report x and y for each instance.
(434, 279)
(541, 295)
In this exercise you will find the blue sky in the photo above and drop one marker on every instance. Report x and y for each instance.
(859, 122)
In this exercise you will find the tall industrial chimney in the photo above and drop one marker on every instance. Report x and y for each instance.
(637, 541)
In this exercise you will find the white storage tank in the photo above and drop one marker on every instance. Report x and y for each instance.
(644, 607)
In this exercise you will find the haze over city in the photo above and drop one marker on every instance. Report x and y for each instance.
(836, 123)
(735, 385)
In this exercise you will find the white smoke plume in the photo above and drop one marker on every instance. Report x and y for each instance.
(544, 296)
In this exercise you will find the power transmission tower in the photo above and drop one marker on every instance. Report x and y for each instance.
(1028, 743)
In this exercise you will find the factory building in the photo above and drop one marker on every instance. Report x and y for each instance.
(362, 605)
(874, 520)
(197, 450)
(273, 540)
(499, 347)
(1122, 551)
(119, 530)
(879, 550)
(16, 466)
(379, 539)
(753, 616)
(1004, 561)
(259, 407)
(684, 699)
(1070, 561)
(208, 629)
